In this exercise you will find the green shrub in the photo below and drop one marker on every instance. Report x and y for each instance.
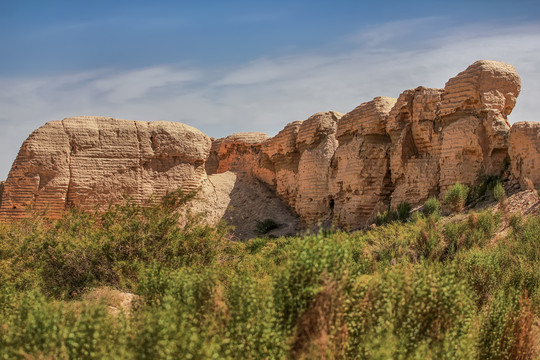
(516, 222)
(428, 244)
(456, 197)
(409, 312)
(482, 187)
(498, 192)
(384, 217)
(405, 290)
(507, 330)
(403, 211)
(317, 259)
(432, 206)
(265, 226)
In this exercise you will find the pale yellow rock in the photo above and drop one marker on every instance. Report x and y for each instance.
(485, 85)
(316, 143)
(89, 161)
(329, 168)
(440, 137)
(39, 177)
(238, 152)
(360, 182)
(525, 153)
(242, 202)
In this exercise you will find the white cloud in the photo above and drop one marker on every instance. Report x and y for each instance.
(265, 94)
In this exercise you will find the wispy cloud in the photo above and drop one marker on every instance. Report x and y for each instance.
(265, 94)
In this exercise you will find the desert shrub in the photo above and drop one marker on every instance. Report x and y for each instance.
(481, 227)
(507, 329)
(265, 226)
(516, 222)
(428, 244)
(432, 206)
(255, 245)
(498, 192)
(316, 259)
(482, 188)
(37, 327)
(80, 251)
(526, 237)
(505, 268)
(391, 243)
(456, 197)
(384, 217)
(410, 312)
(252, 330)
(403, 211)
(454, 233)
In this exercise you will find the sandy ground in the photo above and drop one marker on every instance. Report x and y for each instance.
(242, 202)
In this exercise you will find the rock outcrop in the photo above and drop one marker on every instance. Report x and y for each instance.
(330, 168)
(442, 136)
(295, 162)
(525, 153)
(89, 161)
(238, 152)
(388, 151)
(361, 179)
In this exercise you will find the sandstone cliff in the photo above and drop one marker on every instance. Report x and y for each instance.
(525, 153)
(330, 168)
(387, 151)
(89, 161)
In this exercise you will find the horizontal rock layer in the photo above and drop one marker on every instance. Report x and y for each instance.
(330, 168)
(89, 161)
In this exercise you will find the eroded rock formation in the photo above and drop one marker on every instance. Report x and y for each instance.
(525, 153)
(330, 168)
(387, 151)
(89, 161)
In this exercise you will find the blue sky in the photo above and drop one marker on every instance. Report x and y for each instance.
(234, 66)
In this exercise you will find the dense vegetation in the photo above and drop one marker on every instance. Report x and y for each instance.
(416, 288)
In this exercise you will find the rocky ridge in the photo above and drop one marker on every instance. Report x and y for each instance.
(332, 168)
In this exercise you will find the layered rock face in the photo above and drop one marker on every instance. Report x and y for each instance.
(442, 136)
(360, 181)
(238, 152)
(295, 162)
(89, 161)
(525, 153)
(387, 151)
(330, 168)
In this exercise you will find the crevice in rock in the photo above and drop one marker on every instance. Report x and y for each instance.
(67, 203)
(140, 169)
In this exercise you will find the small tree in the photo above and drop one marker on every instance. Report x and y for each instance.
(432, 206)
(456, 197)
(403, 211)
(498, 192)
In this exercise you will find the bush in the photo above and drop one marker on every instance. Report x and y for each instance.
(403, 211)
(482, 187)
(456, 197)
(498, 192)
(507, 331)
(316, 259)
(408, 290)
(410, 312)
(432, 206)
(265, 226)
(385, 217)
